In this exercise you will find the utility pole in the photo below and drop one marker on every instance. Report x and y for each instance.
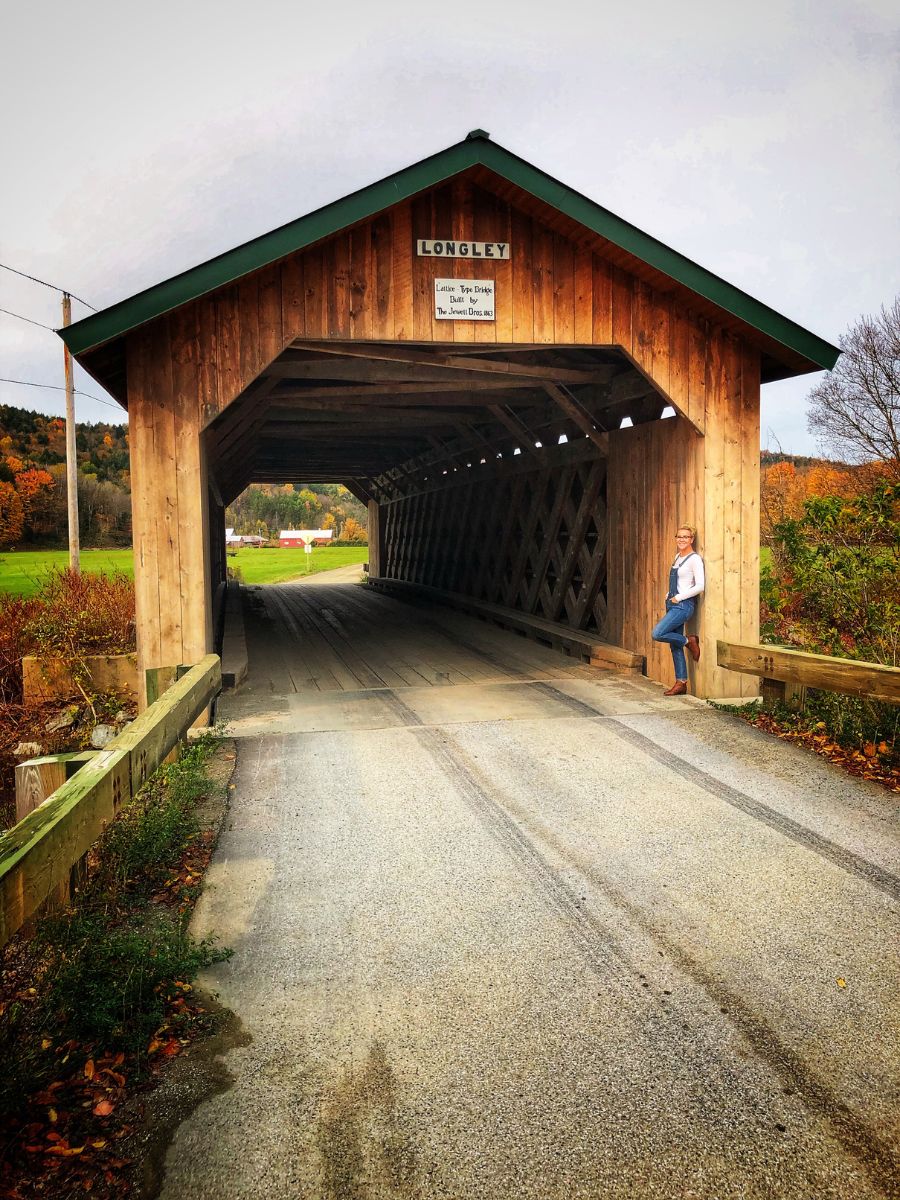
(71, 459)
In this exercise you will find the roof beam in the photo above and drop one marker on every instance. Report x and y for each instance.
(459, 362)
(575, 412)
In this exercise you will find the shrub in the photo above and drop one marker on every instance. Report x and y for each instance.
(102, 971)
(84, 614)
(834, 588)
(72, 616)
(16, 613)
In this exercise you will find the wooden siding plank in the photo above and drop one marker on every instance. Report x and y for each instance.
(584, 297)
(750, 371)
(228, 341)
(248, 301)
(563, 291)
(622, 308)
(165, 496)
(361, 282)
(401, 271)
(522, 281)
(543, 280)
(271, 325)
(424, 271)
(314, 293)
(194, 584)
(461, 199)
(337, 285)
(293, 302)
(382, 278)
(602, 301)
(713, 529)
(144, 481)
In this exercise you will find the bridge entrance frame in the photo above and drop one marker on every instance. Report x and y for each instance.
(541, 459)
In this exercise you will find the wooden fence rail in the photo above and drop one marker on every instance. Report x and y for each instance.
(782, 669)
(38, 854)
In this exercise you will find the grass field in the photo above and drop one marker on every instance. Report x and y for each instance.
(274, 566)
(21, 571)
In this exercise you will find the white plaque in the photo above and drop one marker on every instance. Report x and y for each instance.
(464, 299)
(453, 248)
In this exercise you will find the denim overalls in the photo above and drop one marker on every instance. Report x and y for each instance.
(671, 628)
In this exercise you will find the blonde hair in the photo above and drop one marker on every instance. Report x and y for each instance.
(687, 529)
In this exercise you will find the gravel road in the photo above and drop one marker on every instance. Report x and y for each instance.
(548, 939)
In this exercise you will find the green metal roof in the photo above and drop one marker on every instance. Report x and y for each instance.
(476, 150)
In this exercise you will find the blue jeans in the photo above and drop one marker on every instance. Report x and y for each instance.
(671, 629)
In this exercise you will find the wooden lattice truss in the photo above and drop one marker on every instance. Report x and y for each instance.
(533, 540)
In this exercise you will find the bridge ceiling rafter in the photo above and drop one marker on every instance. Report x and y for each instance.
(394, 415)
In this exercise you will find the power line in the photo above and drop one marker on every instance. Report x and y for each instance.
(40, 324)
(52, 286)
(54, 387)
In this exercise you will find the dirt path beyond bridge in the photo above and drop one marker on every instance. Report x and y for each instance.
(541, 933)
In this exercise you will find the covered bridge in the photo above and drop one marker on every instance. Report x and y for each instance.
(529, 393)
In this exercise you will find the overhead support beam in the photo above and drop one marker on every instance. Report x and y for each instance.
(516, 428)
(367, 376)
(452, 362)
(404, 392)
(577, 413)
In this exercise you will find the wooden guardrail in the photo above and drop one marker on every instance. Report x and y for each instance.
(784, 671)
(38, 854)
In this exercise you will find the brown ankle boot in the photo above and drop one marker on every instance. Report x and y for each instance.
(693, 645)
(678, 688)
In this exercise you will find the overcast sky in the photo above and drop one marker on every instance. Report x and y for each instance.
(758, 139)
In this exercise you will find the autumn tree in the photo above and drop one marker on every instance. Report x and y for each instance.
(352, 531)
(855, 410)
(12, 515)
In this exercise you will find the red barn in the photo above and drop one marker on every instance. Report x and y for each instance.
(304, 537)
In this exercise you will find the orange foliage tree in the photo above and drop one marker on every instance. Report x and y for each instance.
(12, 514)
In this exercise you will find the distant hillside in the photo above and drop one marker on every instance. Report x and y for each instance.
(40, 441)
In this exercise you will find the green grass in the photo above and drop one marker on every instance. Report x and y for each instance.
(22, 571)
(274, 566)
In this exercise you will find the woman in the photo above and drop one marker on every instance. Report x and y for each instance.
(686, 581)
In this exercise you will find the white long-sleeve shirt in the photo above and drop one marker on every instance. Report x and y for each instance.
(691, 577)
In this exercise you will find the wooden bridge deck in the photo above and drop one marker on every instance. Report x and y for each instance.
(324, 635)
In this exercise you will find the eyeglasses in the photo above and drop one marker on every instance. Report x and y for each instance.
(683, 537)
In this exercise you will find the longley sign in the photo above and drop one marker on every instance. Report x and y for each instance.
(451, 248)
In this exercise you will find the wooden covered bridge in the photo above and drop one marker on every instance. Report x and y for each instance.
(529, 393)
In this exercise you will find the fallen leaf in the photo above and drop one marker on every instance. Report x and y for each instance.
(99, 1144)
(103, 1108)
(46, 1043)
(89, 1069)
(63, 1151)
(842, 982)
(52, 1115)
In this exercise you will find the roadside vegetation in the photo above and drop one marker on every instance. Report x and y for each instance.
(99, 997)
(72, 617)
(831, 581)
